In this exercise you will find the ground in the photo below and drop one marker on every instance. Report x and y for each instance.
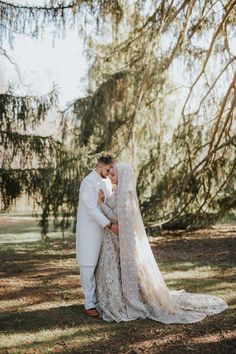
(41, 298)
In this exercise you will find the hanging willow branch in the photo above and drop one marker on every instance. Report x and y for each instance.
(19, 147)
(38, 166)
(62, 15)
(21, 112)
(54, 188)
(181, 216)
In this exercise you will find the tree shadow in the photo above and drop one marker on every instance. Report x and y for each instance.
(133, 337)
(48, 273)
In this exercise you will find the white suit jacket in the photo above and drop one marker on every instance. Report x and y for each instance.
(90, 220)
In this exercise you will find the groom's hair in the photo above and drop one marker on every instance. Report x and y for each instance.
(106, 159)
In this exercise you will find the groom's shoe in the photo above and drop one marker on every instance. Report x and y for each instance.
(91, 312)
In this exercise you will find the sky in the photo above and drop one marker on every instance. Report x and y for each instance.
(40, 65)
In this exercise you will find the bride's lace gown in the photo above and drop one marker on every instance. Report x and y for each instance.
(113, 305)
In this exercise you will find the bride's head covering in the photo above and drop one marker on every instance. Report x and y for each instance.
(141, 277)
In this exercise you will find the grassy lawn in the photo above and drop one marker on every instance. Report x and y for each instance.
(41, 299)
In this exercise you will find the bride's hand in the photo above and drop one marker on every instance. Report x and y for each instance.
(115, 229)
(101, 196)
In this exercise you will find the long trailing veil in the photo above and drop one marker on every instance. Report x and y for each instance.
(143, 286)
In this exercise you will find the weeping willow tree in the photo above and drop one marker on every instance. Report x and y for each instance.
(180, 138)
(184, 157)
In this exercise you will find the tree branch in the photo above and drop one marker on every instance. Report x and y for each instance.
(230, 7)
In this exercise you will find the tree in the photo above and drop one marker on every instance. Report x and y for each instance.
(184, 159)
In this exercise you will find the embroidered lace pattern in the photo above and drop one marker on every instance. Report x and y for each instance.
(129, 282)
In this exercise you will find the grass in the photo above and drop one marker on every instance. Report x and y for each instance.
(24, 228)
(41, 299)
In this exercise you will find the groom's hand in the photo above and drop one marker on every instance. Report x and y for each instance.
(115, 229)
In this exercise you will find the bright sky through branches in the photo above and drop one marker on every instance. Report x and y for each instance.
(40, 65)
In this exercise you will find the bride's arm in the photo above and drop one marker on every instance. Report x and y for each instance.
(106, 209)
(108, 212)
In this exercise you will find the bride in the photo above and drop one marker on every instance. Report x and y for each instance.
(129, 282)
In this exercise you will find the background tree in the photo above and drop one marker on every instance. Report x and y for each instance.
(180, 139)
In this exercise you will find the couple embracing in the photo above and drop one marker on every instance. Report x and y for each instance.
(120, 278)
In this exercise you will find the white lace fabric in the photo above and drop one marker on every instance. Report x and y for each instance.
(129, 282)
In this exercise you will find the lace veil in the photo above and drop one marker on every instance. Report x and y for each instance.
(143, 286)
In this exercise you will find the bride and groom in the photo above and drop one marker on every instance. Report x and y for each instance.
(120, 278)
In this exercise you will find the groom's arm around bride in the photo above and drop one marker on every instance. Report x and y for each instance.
(90, 226)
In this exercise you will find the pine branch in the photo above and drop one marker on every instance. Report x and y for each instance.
(29, 137)
(33, 19)
(16, 111)
(59, 6)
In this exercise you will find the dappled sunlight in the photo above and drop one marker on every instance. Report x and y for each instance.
(25, 339)
(86, 84)
(41, 299)
(213, 338)
(191, 270)
(199, 286)
(17, 230)
(34, 236)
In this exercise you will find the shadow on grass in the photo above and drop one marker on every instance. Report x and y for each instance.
(41, 319)
(202, 285)
(94, 335)
(48, 271)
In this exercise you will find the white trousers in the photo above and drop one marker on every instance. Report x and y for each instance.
(88, 283)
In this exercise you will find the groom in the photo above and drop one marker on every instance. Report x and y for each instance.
(90, 227)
